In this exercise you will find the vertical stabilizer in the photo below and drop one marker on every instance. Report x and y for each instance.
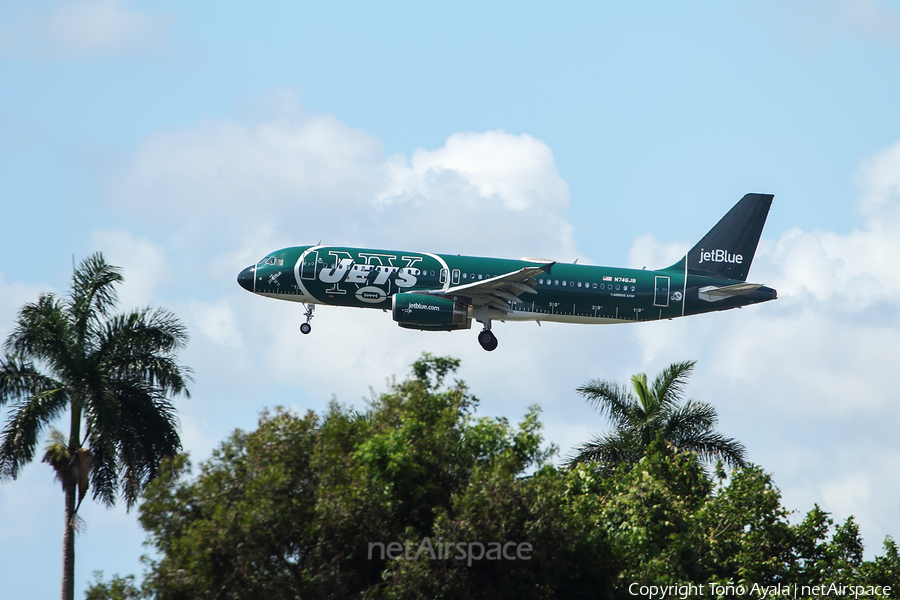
(728, 249)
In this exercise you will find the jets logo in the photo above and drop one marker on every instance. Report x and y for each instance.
(347, 271)
(370, 294)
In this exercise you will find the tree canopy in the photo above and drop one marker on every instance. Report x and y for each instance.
(308, 505)
(647, 411)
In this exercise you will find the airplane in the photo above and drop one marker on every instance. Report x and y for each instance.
(446, 292)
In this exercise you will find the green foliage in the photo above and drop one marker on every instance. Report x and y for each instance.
(292, 508)
(640, 416)
(298, 508)
(118, 588)
(114, 375)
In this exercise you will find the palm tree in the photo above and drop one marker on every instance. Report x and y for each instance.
(650, 411)
(112, 373)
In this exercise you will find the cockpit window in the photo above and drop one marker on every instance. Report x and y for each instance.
(275, 260)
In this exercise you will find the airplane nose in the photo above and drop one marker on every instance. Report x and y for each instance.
(245, 278)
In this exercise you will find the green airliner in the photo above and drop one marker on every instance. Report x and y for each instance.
(445, 292)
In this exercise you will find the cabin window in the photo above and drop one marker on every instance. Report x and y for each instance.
(556, 282)
(465, 275)
(472, 275)
(564, 283)
(579, 284)
(479, 276)
(432, 273)
(595, 286)
(617, 287)
(632, 288)
(541, 281)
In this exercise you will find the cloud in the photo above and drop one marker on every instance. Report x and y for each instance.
(12, 296)
(811, 375)
(217, 322)
(647, 251)
(296, 179)
(816, 24)
(788, 378)
(879, 181)
(74, 28)
(144, 264)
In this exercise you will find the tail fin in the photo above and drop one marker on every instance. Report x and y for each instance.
(728, 249)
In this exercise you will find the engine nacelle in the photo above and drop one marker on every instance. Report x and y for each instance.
(429, 313)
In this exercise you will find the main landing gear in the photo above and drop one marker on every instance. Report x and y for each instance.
(310, 309)
(487, 340)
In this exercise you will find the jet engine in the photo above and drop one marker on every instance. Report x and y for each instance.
(429, 313)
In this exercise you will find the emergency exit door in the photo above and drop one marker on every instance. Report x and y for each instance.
(661, 291)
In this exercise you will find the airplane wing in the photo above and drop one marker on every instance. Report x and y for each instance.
(498, 291)
(711, 293)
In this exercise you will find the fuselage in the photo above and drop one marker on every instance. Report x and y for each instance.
(570, 293)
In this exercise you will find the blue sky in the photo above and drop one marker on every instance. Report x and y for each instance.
(187, 140)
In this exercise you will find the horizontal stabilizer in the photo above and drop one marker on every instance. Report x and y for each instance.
(711, 293)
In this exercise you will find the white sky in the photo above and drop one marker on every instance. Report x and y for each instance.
(187, 141)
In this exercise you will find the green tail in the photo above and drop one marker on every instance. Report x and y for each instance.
(728, 249)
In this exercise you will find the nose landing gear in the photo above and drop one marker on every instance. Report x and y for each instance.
(305, 328)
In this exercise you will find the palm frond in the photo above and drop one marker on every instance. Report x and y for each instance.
(609, 399)
(42, 332)
(669, 385)
(712, 446)
(93, 293)
(69, 467)
(142, 344)
(129, 438)
(653, 411)
(57, 455)
(607, 450)
(24, 426)
(692, 417)
(20, 378)
(639, 385)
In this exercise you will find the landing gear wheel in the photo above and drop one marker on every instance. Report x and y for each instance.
(305, 328)
(487, 340)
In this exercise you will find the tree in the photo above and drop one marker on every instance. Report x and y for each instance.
(112, 373)
(638, 417)
(309, 506)
(118, 588)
